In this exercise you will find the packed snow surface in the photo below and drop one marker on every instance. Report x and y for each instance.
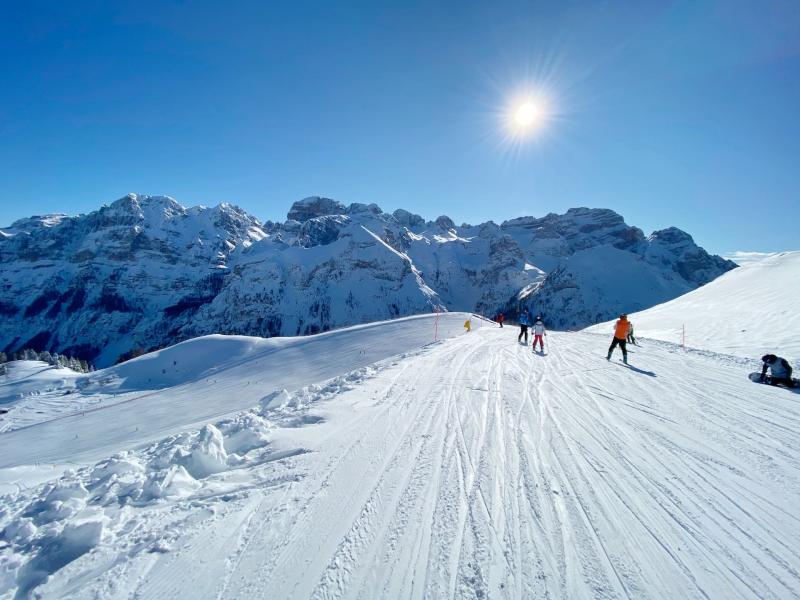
(466, 468)
(749, 311)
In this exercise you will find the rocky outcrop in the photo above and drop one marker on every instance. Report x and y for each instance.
(407, 219)
(314, 206)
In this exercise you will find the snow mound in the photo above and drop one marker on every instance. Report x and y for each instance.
(745, 312)
(181, 363)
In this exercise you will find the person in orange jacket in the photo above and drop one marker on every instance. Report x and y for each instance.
(620, 334)
(500, 319)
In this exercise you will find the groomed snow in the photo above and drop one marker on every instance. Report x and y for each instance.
(469, 468)
(748, 312)
(200, 379)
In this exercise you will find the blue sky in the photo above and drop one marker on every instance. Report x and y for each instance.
(671, 113)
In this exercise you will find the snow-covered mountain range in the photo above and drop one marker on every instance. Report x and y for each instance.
(146, 271)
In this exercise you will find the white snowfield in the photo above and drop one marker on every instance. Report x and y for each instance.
(750, 311)
(194, 381)
(469, 468)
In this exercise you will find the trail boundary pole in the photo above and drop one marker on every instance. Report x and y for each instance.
(436, 326)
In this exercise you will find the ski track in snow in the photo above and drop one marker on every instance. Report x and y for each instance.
(478, 469)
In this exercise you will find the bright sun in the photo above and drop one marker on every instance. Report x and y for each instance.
(526, 115)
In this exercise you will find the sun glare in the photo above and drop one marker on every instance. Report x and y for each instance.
(525, 116)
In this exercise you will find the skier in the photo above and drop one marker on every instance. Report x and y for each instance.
(524, 321)
(500, 319)
(631, 339)
(538, 332)
(620, 333)
(781, 370)
(468, 325)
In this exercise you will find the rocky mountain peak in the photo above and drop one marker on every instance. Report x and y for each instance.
(672, 235)
(315, 206)
(35, 222)
(141, 207)
(359, 208)
(444, 222)
(408, 219)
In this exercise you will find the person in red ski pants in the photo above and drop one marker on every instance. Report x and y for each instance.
(538, 333)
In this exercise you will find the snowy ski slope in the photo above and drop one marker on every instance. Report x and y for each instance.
(467, 468)
(194, 381)
(749, 311)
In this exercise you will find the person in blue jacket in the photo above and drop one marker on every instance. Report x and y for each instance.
(524, 322)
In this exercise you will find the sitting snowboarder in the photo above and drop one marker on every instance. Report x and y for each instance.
(780, 371)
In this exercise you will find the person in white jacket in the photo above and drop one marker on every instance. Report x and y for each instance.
(538, 333)
(631, 339)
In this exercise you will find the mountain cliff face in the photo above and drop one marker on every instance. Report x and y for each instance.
(145, 271)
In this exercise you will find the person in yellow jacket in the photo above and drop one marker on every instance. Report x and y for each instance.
(468, 325)
(620, 334)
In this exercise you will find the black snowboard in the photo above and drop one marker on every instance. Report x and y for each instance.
(756, 378)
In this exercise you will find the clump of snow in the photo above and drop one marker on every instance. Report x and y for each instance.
(247, 431)
(170, 483)
(276, 399)
(61, 500)
(207, 454)
(57, 550)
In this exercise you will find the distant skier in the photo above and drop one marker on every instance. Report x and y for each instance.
(468, 325)
(620, 333)
(538, 332)
(631, 339)
(500, 319)
(780, 371)
(524, 322)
